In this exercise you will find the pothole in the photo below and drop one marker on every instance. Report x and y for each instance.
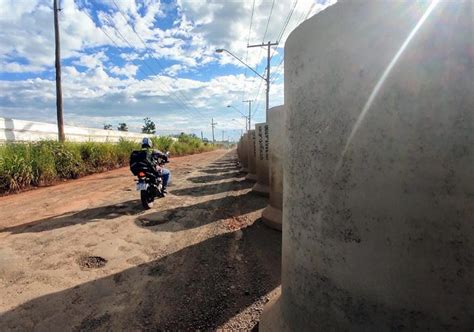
(91, 262)
(151, 222)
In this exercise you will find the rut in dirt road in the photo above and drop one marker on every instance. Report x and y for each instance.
(213, 262)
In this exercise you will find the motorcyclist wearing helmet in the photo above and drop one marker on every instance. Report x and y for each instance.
(147, 145)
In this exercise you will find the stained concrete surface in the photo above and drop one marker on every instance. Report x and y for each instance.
(262, 159)
(378, 230)
(252, 155)
(276, 121)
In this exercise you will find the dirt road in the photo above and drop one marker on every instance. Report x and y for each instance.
(83, 255)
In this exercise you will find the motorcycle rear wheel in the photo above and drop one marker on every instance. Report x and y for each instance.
(147, 199)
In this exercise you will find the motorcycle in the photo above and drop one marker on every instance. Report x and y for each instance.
(149, 179)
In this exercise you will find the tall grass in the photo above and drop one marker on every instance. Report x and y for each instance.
(41, 163)
(23, 165)
(183, 145)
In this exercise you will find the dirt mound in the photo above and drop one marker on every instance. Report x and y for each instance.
(91, 262)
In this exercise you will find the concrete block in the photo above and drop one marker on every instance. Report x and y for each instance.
(378, 229)
(244, 155)
(262, 159)
(276, 121)
(252, 155)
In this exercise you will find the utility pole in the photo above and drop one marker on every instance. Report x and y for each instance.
(213, 124)
(267, 78)
(250, 110)
(223, 132)
(59, 93)
(202, 136)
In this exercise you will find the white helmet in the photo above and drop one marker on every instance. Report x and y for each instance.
(147, 143)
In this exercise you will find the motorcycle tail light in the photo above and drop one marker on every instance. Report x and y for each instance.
(141, 174)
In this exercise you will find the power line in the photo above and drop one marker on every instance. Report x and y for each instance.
(268, 21)
(280, 36)
(139, 68)
(301, 19)
(151, 55)
(175, 99)
(263, 40)
(251, 20)
(244, 92)
(282, 31)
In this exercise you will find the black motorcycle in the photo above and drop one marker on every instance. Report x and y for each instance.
(149, 182)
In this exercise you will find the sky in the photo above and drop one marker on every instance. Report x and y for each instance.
(124, 60)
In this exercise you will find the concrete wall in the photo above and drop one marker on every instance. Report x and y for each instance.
(252, 155)
(378, 228)
(12, 130)
(244, 158)
(262, 159)
(276, 122)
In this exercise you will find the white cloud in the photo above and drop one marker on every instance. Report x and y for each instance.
(174, 69)
(97, 87)
(92, 60)
(129, 70)
(15, 67)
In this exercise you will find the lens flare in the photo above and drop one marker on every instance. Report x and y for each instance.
(382, 80)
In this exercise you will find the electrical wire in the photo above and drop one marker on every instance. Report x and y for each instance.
(147, 49)
(244, 92)
(139, 68)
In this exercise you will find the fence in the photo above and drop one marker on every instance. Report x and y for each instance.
(12, 130)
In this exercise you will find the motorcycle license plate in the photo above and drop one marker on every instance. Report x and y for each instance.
(142, 186)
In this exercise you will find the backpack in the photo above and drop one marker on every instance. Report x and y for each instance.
(141, 160)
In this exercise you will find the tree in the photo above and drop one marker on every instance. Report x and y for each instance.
(149, 126)
(108, 126)
(122, 127)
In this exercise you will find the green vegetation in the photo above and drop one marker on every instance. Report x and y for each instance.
(149, 126)
(182, 145)
(23, 165)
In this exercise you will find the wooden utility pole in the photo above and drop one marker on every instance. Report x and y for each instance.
(59, 94)
(213, 124)
(250, 111)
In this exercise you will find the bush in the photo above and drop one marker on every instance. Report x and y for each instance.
(16, 171)
(43, 163)
(162, 143)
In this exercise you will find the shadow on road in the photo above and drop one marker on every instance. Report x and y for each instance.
(211, 178)
(219, 170)
(201, 214)
(193, 288)
(222, 166)
(213, 188)
(82, 217)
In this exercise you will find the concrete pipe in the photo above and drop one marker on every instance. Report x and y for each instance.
(276, 121)
(378, 212)
(262, 159)
(239, 151)
(244, 154)
(252, 152)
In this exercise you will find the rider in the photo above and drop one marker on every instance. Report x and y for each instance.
(155, 155)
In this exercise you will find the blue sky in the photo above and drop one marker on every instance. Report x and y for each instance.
(123, 60)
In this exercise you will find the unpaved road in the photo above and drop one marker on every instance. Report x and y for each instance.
(200, 259)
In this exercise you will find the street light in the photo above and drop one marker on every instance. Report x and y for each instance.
(247, 118)
(266, 79)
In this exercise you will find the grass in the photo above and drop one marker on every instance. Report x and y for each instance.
(183, 145)
(23, 165)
